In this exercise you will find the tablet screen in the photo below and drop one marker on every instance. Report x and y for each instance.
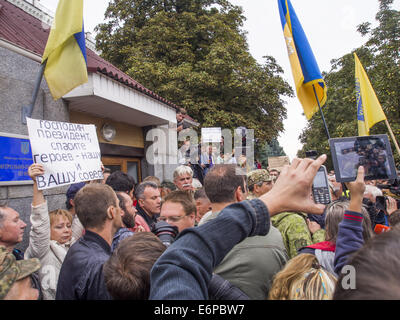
(372, 152)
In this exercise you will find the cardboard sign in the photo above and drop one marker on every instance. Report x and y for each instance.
(69, 152)
(278, 162)
(211, 134)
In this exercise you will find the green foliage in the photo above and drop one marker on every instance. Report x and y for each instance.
(380, 58)
(194, 53)
(271, 149)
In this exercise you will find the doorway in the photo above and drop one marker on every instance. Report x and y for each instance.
(130, 166)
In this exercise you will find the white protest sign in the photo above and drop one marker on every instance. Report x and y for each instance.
(69, 152)
(211, 134)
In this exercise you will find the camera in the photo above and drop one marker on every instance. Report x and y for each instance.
(394, 188)
(165, 232)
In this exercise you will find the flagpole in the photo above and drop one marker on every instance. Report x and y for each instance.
(27, 110)
(322, 114)
(393, 137)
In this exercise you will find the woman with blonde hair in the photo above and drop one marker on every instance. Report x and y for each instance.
(303, 278)
(50, 237)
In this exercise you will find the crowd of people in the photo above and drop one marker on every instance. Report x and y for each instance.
(235, 235)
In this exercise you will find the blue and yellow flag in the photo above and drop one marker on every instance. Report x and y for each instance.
(369, 110)
(305, 70)
(66, 66)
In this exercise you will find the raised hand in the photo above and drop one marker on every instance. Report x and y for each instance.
(292, 190)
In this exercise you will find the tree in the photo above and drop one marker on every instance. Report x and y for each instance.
(195, 54)
(266, 150)
(380, 57)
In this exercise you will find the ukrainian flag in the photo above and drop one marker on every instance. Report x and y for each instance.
(305, 70)
(65, 52)
(369, 110)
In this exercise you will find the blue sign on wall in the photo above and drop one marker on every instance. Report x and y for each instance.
(15, 159)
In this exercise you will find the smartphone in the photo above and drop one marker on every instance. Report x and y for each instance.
(320, 187)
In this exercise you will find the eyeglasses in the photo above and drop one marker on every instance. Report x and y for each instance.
(171, 219)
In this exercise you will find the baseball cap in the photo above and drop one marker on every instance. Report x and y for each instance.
(257, 176)
(73, 189)
(12, 270)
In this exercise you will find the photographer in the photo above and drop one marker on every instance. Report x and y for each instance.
(179, 209)
(379, 207)
(376, 213)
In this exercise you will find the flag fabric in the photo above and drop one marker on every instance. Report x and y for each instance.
(65, 52)
(369, 110)
(305, 69)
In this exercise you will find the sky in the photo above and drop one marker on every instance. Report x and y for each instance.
(330, 27)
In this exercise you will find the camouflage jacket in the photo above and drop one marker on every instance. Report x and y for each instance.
(295, 232)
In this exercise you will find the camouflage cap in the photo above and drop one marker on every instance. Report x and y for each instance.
(257, 176)
(12, 270)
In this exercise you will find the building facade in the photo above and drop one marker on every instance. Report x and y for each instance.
(128, 117)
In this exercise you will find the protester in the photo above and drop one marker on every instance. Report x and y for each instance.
(184, 152)
(106, 174)
(335, 213)
(180, 115)
(122, 182)
(351, 231)
(128, 214)
(11, 234)
(297, 231)
(335, 188)
(178, 209)
(77, 228)
(274, 173)
(259, 182)
(153, 179)
(167, 187)
(378, 211)
(303, 278)
(127, 272)
(182, 273)
(207, 159)
(372, 269)
(394, 218)
(257, 164)
(220, 158)
(148, 202)
(50, 237)
(15, 277)
(250, 265)
(81, 274)
(203, 204)
(183, 177)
